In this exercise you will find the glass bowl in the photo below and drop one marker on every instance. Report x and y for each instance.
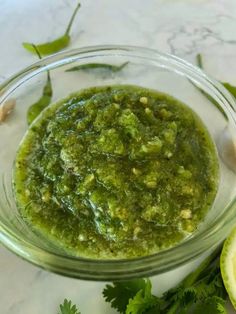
(147, 68)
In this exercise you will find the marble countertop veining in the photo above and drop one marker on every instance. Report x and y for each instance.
(181, 27)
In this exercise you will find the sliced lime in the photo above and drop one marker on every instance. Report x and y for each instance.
(228, 266)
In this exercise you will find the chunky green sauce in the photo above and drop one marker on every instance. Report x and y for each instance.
(116, 172)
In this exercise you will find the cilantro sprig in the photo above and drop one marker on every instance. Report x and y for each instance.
(202, 291)
(130, 296)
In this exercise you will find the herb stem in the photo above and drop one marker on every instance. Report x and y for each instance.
(72, 19)
(199, 60)
(36, 50)
(192, 277)
(174, 308)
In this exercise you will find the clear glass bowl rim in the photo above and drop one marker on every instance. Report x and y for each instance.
(160, 262)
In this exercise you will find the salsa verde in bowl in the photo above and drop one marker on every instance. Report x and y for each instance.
(116, 172)
(122, 178)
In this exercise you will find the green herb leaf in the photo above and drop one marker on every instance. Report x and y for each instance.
(57, 44)
(197, 288)
(89, 66)
(202, 291)
(119, 293)
(50, 47)
(143, 301)
(200, 272)
(68, 308)
(212, 305)
(35, 109)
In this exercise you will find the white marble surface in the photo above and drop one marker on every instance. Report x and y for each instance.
(182, 27)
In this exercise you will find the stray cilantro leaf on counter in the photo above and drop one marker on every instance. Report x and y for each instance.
(35, 109)
(68, 308)
(57, 44)
(89, 66)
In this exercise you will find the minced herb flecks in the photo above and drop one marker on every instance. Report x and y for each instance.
(116, 172)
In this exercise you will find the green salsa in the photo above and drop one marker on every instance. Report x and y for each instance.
(116, 172)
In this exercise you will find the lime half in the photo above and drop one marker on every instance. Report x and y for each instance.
(228, 266)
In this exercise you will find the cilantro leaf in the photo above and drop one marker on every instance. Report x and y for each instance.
(200, 291)
(57, 44)
(119, 293)
(68, 308)
(212, 305)
(187, 296)
(143, 301)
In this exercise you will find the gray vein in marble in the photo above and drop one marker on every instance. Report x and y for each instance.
(170, 41)
(14, 308)
(195, 39)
